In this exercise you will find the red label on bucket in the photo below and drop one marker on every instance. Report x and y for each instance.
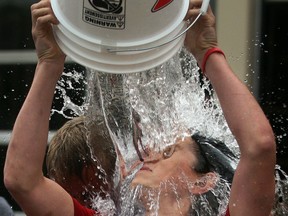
(160, 4)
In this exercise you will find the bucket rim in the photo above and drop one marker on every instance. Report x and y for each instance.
(103, 56)
(122, 69)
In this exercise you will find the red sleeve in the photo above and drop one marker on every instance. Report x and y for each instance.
(80, 210)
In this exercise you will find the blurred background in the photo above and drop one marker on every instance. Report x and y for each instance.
(253, 35)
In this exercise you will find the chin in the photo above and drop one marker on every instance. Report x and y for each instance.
(146, 182)
(138, 181)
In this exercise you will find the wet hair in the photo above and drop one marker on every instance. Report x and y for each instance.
(68, 151)
(214, 156)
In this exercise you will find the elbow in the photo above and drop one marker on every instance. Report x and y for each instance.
(19, 184)
(12, 172)
(16, 176)
(267, 141)
(267, 145)
(10, 180)
(262, 145)
(16, 184)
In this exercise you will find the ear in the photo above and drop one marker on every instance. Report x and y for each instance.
(204, 183)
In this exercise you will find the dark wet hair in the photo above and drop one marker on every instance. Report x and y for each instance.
(214, 156)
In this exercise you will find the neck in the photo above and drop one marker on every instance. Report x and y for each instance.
(168, 203)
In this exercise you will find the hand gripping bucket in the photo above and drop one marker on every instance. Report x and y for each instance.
(120, 36)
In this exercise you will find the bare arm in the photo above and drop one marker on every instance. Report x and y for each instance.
(252, 190)
(23, 175)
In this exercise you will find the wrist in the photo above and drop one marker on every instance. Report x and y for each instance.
(51, 68)
(208, 53)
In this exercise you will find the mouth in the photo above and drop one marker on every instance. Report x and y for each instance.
(145, 168)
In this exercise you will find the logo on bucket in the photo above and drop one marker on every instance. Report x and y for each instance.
(105, 13)
(160, 4)
(107, 6)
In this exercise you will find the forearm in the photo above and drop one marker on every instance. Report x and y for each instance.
(27, 146)
(242, 112)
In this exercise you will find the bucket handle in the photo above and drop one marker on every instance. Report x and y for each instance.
(203, 10)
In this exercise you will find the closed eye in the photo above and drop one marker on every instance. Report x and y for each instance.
(168, 151)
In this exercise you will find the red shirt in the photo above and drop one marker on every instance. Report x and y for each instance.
(80, 210)
(227, 212)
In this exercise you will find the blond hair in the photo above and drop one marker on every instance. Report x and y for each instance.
(77, 144)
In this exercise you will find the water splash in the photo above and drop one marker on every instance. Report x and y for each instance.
(105, 206)
(71, 84)
(142, 200)
(281, 193)
(171, 100)
(168, 100)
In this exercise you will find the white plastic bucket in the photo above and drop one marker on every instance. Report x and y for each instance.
(121, 68)
(88, 29)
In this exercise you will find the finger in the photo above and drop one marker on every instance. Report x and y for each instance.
(195, 4)
(44, 12)
(192, 14)
(209, 10)
(40, 9)
(46, 19)
(40, 5)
